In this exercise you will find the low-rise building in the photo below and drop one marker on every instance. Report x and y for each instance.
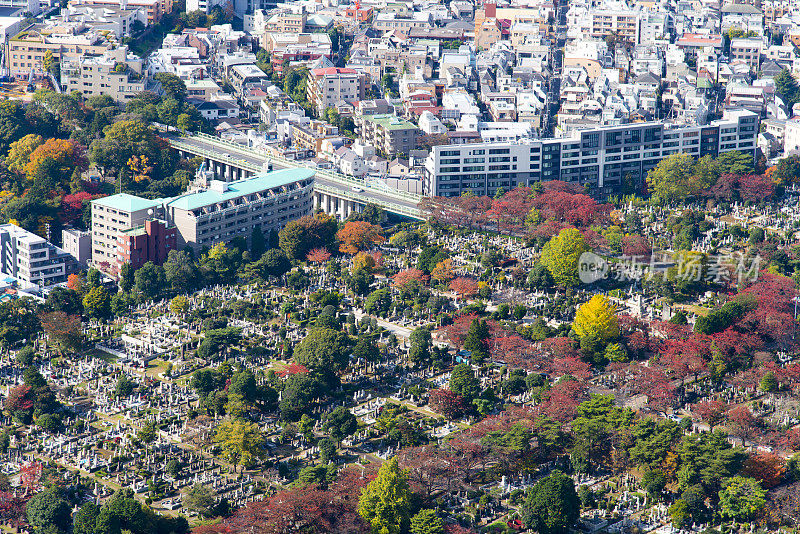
(78, 244)
(148, 242)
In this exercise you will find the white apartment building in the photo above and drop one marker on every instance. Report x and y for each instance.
(600, 158)
(326, 87)
(31, 259)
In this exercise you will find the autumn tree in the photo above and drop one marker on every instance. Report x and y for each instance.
(356, 236)
(57, 159)
(443, 271)
(318, 255)
(560, 256)
(241, 442)
(63, 330)
(464, 287)
(597, 319)
(409, 280)
(20, 152)
(711, 411)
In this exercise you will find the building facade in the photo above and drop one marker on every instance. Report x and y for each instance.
(227, 210)
(150, 241)
(114, 74)
(115, 214)
(390, 134)
(328, 86)
(78, 244)
(600, 158)
(31, 259)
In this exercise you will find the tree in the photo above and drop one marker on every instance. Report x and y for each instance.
(179, 305)
(258, 244)
(276, 263)
(180, 271)
(319, 255)
(173, 86)
(356, 236)
(97, 303)
(597, 319)
(63, 330)
(148, 432)
(447, 403)
(711, 411)
(421, 343)
(299, 236)
(552, 505)
(149, 280)
(463, 382)
(427, 522)
(769, 384)
(409, 280)
(323, 349)
(443, 271)
(49, 510)
(54, 161)
(560, 256)
(464, 287)
(741, 499)
(672, 179)
(85, 520)
(786, 86)
(241, 442)
(20, 152)
(199, 498)
(340, 423)
(476, 340)
(126, 278)
(386, 501)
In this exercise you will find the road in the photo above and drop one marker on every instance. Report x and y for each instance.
(367, 194)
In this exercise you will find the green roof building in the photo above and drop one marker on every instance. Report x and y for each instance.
(390, 134)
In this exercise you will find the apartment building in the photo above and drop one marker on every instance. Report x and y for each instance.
(31, 259)
(26, 51)
(310, 136)
(390, 134)
(390, 21)
(600, 158)
(623, 23)
(748, 51)
(116, 74)
(227, 210)
(113, 215)
(78, 244)
(154, 9)
(148, 242)
(328, 86)
(241, 76)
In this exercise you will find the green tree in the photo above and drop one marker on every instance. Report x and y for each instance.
(85, 519)
(386, 501)
(327, 450)
(741, 499)
(420, 350)
(97, 303)
(180, 271)
(257, 243)
(560, 256)
(48, 510)
(149, 280)
(769, 384)
(340, 423)
(786, 86)
(199, 498)
(552, 505)
(679, 512)
(184, 123)
(672, 179)
(323, 349)
(427, 522)
(148, 432)
(463, 382)
(735, 162)
(173, 86)
(126, 277)
(475, 340)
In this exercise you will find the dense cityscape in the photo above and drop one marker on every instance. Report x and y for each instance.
(399, 267)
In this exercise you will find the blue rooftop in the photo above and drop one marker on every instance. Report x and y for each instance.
(261, 182)
(128, 203)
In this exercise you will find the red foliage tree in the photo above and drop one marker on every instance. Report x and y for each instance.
(356, 236)
(742, 422)
(30, 477)
(20, 399)
(447, 403)
(12, 508)
(711, 411)
(636, 246)
(572, 366)
(559, 347)
(766, 467)
(318, 255)
(464, 287)
(72, 206)
(407, 278)
(573, 208)
(509, 211)
(562, 400)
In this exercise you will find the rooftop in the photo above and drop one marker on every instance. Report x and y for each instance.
(127, 203)
(262, 182)
(390, 122)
